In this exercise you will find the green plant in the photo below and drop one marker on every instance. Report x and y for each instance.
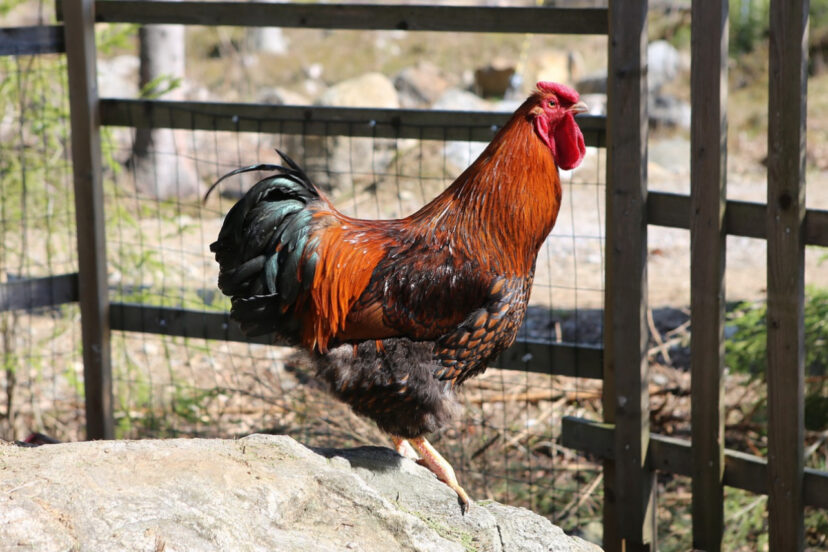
(749, 22)
(746, 349)
(159, 86)
(746, 520)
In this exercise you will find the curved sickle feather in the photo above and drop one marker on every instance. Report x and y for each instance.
(291, 164)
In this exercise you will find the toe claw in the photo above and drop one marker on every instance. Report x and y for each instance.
(438, 465)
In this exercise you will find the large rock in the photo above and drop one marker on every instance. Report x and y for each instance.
(334, 162)
(420, 85)
(556, 65)
(664, 64)
(257, 493)
(461, 154)
(368, 90)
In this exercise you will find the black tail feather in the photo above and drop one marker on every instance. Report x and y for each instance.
(291, 169)
(261, 247)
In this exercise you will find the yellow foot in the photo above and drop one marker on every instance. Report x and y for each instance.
(432, 460)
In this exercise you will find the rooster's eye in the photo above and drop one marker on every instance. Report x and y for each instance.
(552, 103)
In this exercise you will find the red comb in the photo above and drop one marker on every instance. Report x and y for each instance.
(562, 91)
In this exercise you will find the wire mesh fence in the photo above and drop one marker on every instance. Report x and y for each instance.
(42, 370)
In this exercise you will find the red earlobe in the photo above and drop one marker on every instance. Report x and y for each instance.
(542, 130)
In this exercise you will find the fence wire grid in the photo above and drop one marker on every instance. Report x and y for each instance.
(42, 372)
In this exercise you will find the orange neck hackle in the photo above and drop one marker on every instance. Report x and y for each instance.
(504, 205)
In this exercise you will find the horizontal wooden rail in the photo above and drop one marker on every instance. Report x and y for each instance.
(477, 126)
(742, 471)
(742, 218)
(41, 39)
(472, 19)
(30, 293)
(178, 322)
(531, 356)
(559, 359)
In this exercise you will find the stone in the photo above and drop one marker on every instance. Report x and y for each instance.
(420, 85)
(562, 66)
(368, 90)
(271, 40)
(664, 64)
(262, 492)
(461, 154)
(455, 99)
(494, 79)
(593, 83)
(335, 162)
(668, 111)
(279, 95)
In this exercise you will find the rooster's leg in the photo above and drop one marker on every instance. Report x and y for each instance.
(404, 448)
(441, 468)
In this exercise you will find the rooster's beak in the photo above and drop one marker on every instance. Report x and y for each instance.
(579, 107)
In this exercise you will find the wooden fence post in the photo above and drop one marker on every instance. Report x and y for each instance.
(79, 25)
(629, 515)
(786, 275)
(708, 179)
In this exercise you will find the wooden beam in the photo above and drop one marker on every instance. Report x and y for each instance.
(89, 215)
(40, 39)
(406, 17)
(671, 455)
(559, 359)
(742, 218)
(179, 322)
(708, 197)
(525, 355)
(31, 293)
(788, 77)
(478, 126)
(629, 520)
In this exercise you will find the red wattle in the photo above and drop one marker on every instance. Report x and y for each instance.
(568, 143)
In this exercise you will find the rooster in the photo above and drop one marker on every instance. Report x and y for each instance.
(396, 314)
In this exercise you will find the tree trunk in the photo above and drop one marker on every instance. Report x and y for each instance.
(158, 166)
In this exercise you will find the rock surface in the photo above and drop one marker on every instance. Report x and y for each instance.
(257, 493)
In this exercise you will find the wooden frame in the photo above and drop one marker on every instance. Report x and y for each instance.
(670, 455)
(421, 124)
(477, 19)
(44, 39)
(708, 198)
(629, 483)
(786, 271)
(31, 293)
(741, 218)
(89, 215)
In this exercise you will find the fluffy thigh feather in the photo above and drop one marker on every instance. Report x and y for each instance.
(392, 383)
